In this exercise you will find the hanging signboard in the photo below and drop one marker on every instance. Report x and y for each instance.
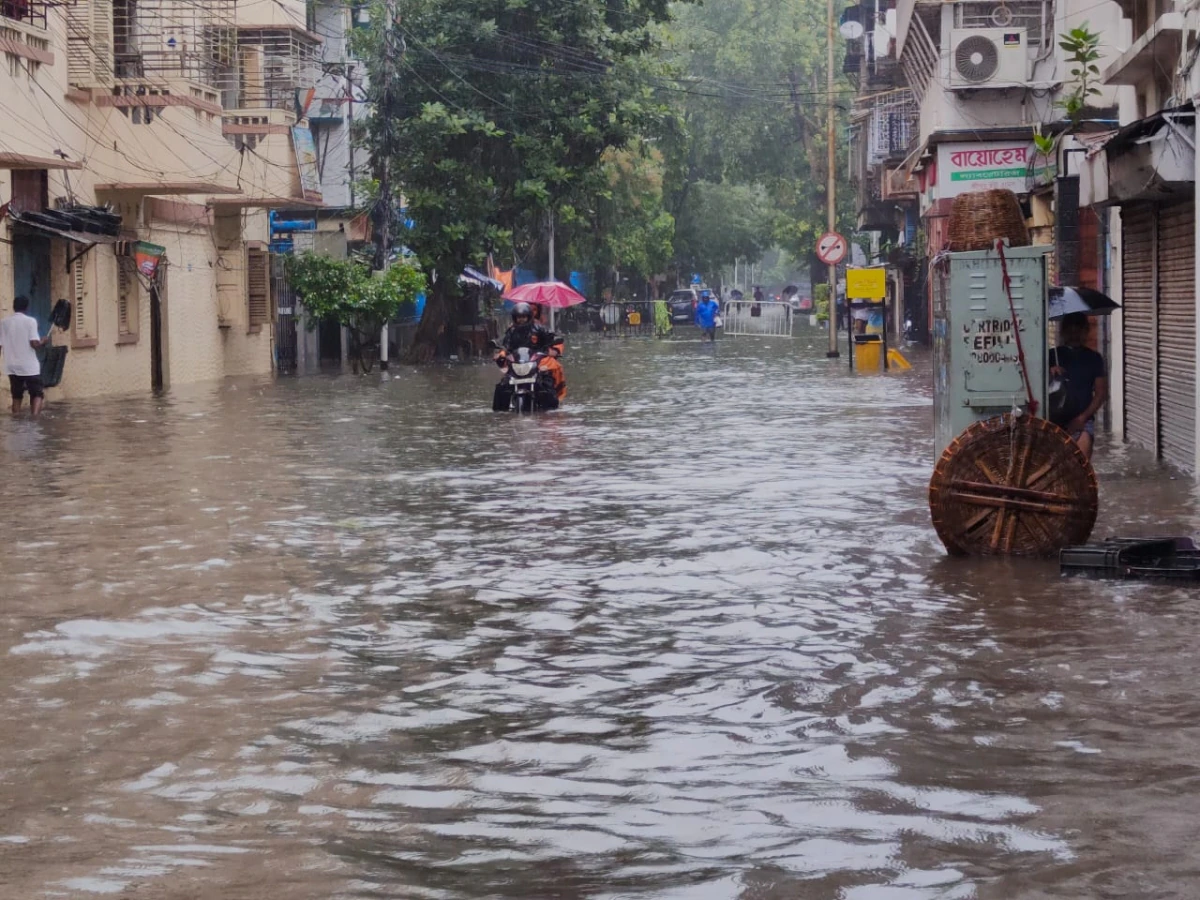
(866, 284)
(146, 257)
(988, 165)
(306, 163)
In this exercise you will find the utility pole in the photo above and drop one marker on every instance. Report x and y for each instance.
(383, 212)
(350, 125)
(831, 183)
(552, 316)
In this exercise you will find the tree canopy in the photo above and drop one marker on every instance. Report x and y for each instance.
(751, 126)
(656, 143)
(348, 292)
(494, 113)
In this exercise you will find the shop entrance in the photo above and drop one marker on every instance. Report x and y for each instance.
(31, 276)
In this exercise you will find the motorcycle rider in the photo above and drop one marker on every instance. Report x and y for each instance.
(526, 331)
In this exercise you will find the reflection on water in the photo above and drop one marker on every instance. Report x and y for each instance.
(692, 637)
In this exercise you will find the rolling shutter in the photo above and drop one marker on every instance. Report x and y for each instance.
(1137, 278)
(1176, 327)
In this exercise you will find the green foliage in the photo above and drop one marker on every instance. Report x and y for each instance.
(821, 301)
(1043, 143)
(493, 113)
(1082, 47)
(623, 224)
(348, 292)
(753, 115)
(721, 222)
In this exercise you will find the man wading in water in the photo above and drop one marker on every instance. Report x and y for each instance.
(19, 342)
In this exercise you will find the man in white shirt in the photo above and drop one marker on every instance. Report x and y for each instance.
(19, 342)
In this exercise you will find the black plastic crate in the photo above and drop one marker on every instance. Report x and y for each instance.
(1162, 559)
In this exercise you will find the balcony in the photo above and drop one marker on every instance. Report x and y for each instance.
(276, 67)
(153, 41)
(1141, 62)
(891, 126)
(31, 13)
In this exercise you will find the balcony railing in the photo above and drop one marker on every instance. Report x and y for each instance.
(274, 66)
(891, 127)
(31, 13)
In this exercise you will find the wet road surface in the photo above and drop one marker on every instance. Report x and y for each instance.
(691, 637)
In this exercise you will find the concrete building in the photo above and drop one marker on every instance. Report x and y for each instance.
(986, 75)
(1144, 177)
(337, 103)
(166, 114)
(884, 132)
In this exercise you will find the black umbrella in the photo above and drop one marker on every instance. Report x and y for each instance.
(1067, 300)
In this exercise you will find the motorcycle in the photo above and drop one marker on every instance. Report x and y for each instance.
(525, 387)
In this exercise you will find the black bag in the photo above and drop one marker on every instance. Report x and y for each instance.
(60, 316)
(53, 361)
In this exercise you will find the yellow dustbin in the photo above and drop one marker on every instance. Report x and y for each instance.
(868, 353)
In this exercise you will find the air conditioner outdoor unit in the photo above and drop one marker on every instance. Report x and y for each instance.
(988, 57)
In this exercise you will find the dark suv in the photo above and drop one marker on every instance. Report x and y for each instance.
(682, 306)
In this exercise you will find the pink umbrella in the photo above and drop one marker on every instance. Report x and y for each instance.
(550, 294)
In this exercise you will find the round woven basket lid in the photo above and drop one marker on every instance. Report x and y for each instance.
(979, 218)
(1013, 486)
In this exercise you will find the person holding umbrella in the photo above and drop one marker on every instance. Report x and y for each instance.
(1083, 382)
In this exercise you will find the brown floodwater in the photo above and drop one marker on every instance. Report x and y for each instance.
(690, 637)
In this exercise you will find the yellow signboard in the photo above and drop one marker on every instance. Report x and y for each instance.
(866, 284)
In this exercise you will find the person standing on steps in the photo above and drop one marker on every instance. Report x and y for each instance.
(19, 343)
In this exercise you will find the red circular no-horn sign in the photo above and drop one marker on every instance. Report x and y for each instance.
(831, 248)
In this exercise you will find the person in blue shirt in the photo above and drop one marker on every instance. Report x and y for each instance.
(707, 311)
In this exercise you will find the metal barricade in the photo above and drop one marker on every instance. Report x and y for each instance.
(633, 318)
(766, 319)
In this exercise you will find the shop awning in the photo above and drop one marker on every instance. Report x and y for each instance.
(25, 161)
(477, 278)
(83, 225)
(241, 201)
(165, 188)
(1162, 145)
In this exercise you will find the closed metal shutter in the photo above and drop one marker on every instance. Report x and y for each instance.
(1177, 335)
(1137, 279)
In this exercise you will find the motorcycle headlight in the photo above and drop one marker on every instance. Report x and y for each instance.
(523, 369)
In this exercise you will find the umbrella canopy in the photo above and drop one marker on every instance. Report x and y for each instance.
(552, 294)
(1067, 300)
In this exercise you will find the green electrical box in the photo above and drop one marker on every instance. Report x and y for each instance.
(977, 373)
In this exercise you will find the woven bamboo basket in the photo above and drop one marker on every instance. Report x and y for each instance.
(977, 219)
(1013, 486)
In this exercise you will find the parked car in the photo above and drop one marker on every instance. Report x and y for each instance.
(682, 306)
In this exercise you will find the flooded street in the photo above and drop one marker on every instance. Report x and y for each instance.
(691, 637)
